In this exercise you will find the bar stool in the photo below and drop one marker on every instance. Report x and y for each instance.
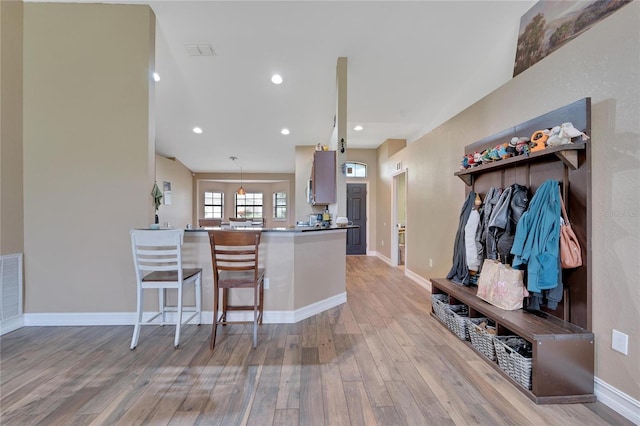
(234, 256)
(157, 257)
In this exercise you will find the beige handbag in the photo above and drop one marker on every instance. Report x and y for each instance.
(570, 252)
(501, 285)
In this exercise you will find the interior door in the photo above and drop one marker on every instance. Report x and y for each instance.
(357, 213)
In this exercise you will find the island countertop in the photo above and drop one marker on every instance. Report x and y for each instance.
(277, 229)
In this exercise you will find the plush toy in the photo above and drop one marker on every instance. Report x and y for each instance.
(567, 130)
(539, 139)
(477, 158)
(511, 147)
(494, 154)
(523, 146)
(464, 164)
(486, 156)
(502, 151)
(554, 137)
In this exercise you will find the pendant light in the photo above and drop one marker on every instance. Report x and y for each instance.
(241, 190)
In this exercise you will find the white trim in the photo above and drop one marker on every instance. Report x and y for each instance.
(128, 318)
(382, 257)
(422, 282)
(11, 324)
(617, 400)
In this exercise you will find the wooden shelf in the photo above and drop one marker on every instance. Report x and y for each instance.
(566, 153)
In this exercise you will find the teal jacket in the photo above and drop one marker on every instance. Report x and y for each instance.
(537, 239)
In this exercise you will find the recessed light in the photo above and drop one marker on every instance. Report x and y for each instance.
(284, 131)
(276, 79)
(156, 76)
(197, 130)
(358, 128)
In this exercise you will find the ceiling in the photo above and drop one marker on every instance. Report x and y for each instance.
(411, 66)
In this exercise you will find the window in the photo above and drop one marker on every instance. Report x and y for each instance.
(355, 169)
(279, 205)
(249, 206)
(213, 205)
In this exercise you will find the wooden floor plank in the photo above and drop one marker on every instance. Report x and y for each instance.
(380, 358)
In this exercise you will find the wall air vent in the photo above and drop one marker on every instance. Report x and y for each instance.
(201, 49)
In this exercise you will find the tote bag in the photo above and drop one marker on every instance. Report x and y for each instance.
(501, 285)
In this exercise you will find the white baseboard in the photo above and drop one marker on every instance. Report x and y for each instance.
(422, 282)
(11, 324)
(128, 318)
(384, 258)
(618, 401)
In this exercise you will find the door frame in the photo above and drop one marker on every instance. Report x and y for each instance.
(394, 216)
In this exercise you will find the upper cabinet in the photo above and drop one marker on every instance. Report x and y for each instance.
(323, 177)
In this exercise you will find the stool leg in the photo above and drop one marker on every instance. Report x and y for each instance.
(214, 327)
(136, 328)
(255, 316)
(176, 342)
(198, 290)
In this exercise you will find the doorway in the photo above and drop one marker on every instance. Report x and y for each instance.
(357, 213)
(399, 219)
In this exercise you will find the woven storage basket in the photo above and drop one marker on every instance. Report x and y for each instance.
(456, 319)
(439, 301)
(511, 362)
(480, 338)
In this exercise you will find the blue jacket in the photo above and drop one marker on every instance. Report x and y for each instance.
(537, 239)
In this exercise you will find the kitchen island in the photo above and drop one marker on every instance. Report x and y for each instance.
(305, 272)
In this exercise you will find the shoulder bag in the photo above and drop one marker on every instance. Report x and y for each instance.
(570, 252)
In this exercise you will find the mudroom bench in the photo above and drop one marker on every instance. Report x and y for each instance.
(563, 353)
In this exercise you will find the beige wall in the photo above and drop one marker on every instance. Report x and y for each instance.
(11, 192)
(228, 183)
(386, 169)
(88, 154)
(179, 213)
(603, 64)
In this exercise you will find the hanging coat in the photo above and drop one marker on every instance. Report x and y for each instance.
(537, 239)
(471, 248)
(459, 272)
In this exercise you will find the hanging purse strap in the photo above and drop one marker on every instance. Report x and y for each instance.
(564, 210)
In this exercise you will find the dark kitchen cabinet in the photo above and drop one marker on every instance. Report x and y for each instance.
(323, 177)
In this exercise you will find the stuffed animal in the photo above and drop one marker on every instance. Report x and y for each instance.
(464, 164)
(486, 156)
(523, 146)
(477, 158)
(502, 151)
(539, 139)
(567, 130)
(511, 148)
(554, 137)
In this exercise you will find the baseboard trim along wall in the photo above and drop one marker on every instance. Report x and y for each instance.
(128, 318)
(11, 324)
(426, 284)
(618, 401)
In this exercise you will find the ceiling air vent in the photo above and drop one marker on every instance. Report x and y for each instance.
(199, 50)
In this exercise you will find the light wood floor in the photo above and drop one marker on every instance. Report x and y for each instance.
(378, 359)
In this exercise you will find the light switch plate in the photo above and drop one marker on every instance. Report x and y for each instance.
(620, 342)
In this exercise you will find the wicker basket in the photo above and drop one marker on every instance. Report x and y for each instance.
(456, 319)
(511, 362)
(439, 301)
(480, 338)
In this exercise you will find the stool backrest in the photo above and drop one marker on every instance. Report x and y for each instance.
(234, 250)
(209, 222)
(157, 250)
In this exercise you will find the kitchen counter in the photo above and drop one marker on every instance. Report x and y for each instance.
(279, 229)
(305, 271)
